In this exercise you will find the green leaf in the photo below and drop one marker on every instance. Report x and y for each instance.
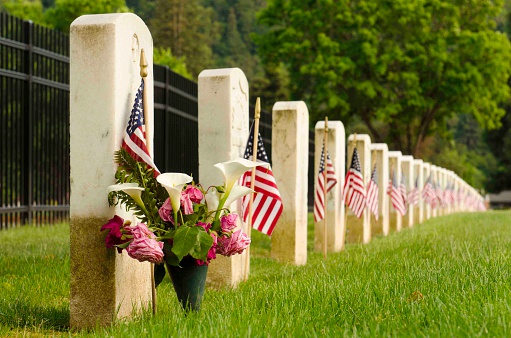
(123, 245)
(159, 274)
(185, 240)
(202, 246)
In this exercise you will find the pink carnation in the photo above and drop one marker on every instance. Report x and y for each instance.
(235, 244)
(195, 194)
(228, 222)
(144, 246)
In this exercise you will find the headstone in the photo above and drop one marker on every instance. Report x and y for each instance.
(104, 78)
(362, 143)
(426, 172)
(395, 165)
(333, 203)
(380, 157)
(434, 176)
(223, 133)
(419, 208)
(409, 175)
(290, 156)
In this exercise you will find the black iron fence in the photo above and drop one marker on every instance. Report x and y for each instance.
(34, 125)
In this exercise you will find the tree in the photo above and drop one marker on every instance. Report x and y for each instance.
(411, 64)
(64, 12)
(163, 56)
(187, 28)
(25, 9)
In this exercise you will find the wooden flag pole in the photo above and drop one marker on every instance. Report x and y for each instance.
(373, 162)
(325, 169)
(143, 74)
(257, 116)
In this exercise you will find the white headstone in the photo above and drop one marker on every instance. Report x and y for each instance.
(426, 172)
(419, 208)
(434, 176)
(380, 157)
(395, 166)
(409, 175)
(290, 156)
(333, 204)
(223, 133)
(362, 143)
(104, 78)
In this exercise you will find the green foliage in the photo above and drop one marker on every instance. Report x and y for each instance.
(407, 63)
(24, 9)
(163, 56)
(131, 171)
(64, 12)
(188, 29)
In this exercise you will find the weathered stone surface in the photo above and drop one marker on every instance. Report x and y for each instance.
(395, 166)
(380, 157)
(419, 208)
(334, 207)
(104, 77)
(426, 172)
(290, 147)
(408, 172)
(223, 133)
(362, 142)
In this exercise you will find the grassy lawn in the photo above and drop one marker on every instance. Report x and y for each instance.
(449, 277)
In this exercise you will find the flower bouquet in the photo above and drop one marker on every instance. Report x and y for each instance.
(180, 221)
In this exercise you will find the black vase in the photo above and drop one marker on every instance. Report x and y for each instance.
(189, 281)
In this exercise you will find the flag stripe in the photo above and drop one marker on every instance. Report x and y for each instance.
(267, 203)
(331, 181)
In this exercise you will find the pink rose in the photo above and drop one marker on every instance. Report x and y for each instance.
(235, 244)
(115, 233)
(144, 246)
(228, 222)
(165, 211)
(186, 204)
(195, 194)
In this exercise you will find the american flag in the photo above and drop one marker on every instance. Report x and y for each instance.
(267, 204)
(395, 195)
(428, 193)
(354, 191)
(331, 180)
(134, 139)
(413, 195)
(372, 193)
(402, 188)
(439, 194)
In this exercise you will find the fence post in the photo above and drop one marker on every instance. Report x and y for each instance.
(29, 125)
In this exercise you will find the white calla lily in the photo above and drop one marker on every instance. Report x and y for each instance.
(213, 199)
(233, 169)
(132, 189)
(237, 191)
(174, 183)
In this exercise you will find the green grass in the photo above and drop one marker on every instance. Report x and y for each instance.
(449, 277)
